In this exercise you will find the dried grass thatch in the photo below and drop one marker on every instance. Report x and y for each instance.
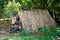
(32, 19)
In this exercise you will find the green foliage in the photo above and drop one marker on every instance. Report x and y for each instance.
(2, 3)
(58, 31)
(47, 34)
(24, 32)
(8, 8)
(5, 39)
(30, 38)
(47, 31)
(11, 8)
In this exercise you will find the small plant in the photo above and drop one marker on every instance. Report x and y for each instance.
(58, 31)
(24, 32)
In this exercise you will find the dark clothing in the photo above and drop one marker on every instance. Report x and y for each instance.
(15, 28)
(17, 22)
(17, 25)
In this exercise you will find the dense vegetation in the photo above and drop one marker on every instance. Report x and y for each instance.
(8, 8)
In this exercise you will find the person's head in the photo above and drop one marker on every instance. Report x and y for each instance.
(17, 18)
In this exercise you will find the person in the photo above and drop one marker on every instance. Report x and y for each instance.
(17, 20)
(17, 26)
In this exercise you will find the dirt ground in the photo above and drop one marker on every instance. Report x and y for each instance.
(5, 34)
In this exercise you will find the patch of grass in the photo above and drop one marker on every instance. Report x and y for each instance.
(24, 32)
(31, 38)
(43, 34)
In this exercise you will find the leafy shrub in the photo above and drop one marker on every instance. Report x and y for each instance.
(47, 31)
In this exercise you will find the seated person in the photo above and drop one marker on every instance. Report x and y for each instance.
(15, 28)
